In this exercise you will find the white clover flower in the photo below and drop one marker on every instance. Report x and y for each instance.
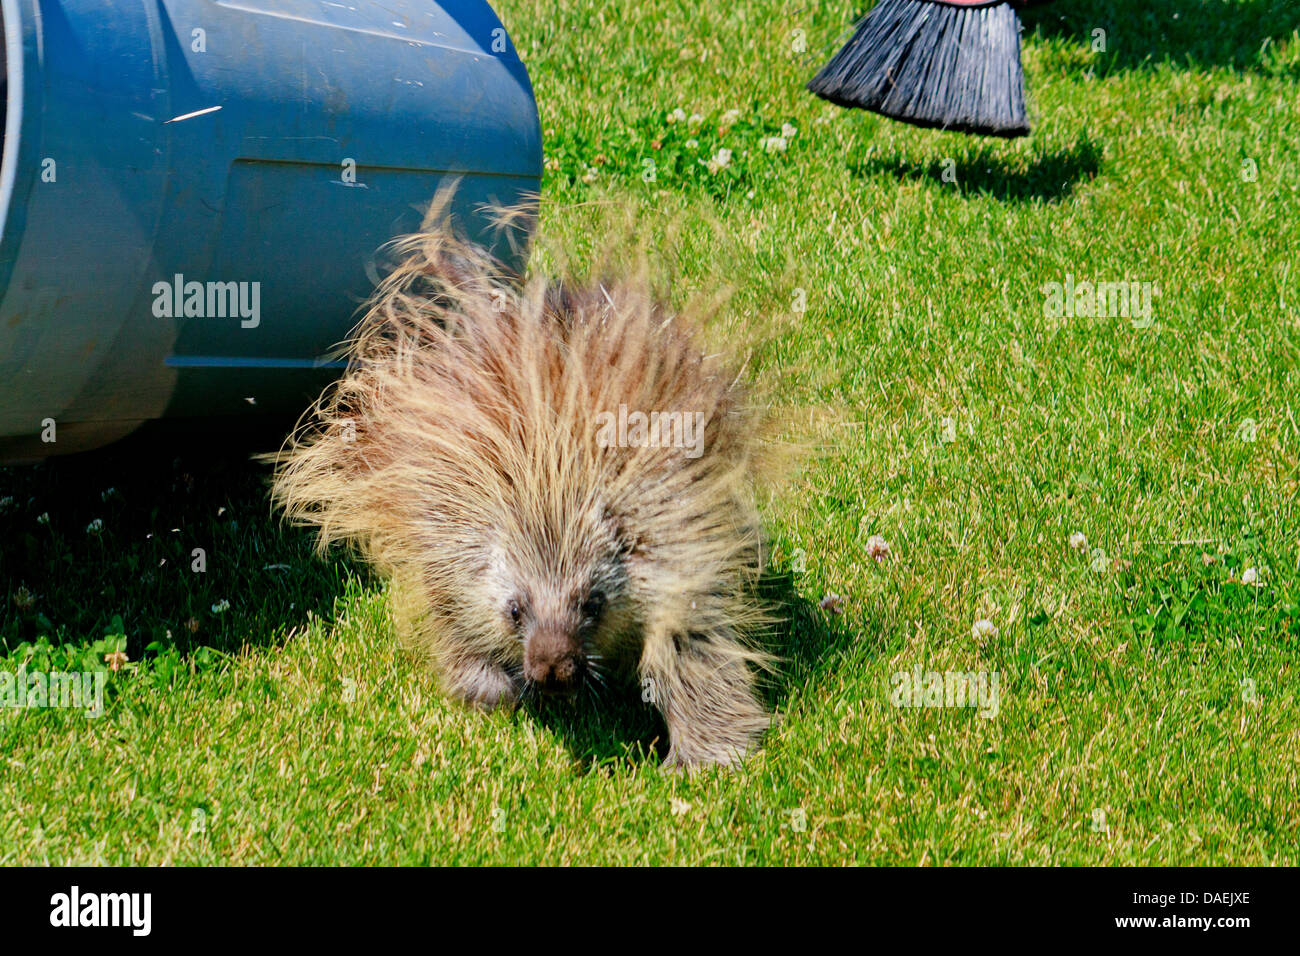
(1250, 577)
(590, 176)
(695, 121)
(878, 548)
(221, 607)
(729, 119)
(947, 431)
(44, 518)
(774, 144)
(984, 630)
(789, 130)
(721, 160)
(677, 116)
(692, 144)
(1079, 542)
(95, 527)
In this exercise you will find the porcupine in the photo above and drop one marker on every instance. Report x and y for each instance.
(471, 453)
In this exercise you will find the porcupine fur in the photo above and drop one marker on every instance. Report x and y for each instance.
(461, 453)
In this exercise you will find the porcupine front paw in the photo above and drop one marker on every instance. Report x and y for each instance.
(481, 683)
(708, 702)
(726, 742)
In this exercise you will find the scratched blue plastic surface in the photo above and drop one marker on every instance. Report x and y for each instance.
(277, 142)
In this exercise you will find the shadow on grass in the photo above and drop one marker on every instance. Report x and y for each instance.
(181, 543)
(614, 727)
(1245, 35)
(987, 169)
(88, 538)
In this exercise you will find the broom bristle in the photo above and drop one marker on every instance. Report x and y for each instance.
(933, 64)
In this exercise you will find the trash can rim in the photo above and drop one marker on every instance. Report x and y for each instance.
(13, 57)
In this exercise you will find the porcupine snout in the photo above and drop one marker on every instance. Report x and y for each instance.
(553, 662)
(553, 657)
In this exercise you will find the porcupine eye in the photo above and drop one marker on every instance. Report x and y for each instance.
(512, 608)
(594, 604)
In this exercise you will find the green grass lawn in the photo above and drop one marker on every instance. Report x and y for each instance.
(894, 281)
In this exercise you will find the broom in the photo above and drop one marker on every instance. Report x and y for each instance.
(950, 64)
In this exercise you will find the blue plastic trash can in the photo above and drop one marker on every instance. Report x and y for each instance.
(192, 193)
